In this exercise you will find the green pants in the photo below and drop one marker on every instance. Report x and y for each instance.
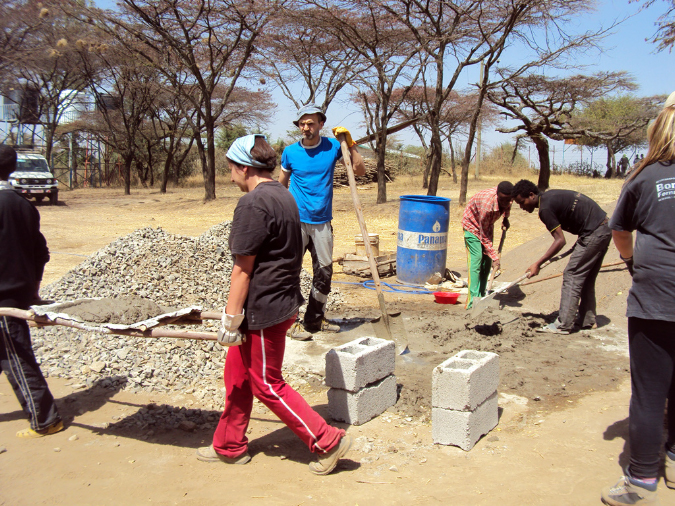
(479, 267)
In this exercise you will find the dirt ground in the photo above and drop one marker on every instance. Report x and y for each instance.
(563, 399)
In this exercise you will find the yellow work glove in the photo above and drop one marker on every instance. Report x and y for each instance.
(348, 137)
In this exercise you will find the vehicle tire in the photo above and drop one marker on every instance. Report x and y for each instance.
(53, 199)
(39, 199)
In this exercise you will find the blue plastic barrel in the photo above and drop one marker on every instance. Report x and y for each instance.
(422, 245)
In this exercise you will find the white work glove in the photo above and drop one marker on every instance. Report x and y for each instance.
(229, 333)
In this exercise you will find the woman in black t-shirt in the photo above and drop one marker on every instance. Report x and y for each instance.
(647, 206)
(262, 305)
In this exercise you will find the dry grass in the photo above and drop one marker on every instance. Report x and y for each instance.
(89, 219)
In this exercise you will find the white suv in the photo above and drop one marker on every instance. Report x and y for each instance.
(32, 178)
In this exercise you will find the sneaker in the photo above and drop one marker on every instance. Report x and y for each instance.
(327, 326)
(209, 454)
(670, 470)
(298, 332)
(551, 328)
(326, 463)
(628, 492)
(32, 434)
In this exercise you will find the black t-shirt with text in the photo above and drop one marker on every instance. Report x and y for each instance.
(574, 212)
(266, 224)
(647, 206)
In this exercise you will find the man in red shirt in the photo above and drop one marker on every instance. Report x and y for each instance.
(480, 215)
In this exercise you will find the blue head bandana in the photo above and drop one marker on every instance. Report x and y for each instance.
(240, 151)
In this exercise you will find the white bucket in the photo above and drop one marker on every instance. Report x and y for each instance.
(374, 244)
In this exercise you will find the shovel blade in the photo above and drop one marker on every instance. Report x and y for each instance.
(482, 304)
(395, 331)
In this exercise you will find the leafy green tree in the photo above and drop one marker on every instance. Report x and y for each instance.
(617, 123)
(227, 135)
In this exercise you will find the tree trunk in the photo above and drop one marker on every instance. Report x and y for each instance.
(381, 177)
(611, 161)
(210, 169)
(141, 173)
(452, 160)
(167, 166)
(73, 156)
(202, 154)
(435, 151)
(466, 161)
(126, 172)
(49, 144)
(427, 168)
(541, 143)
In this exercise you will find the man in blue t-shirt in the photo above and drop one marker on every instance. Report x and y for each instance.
(309, 166)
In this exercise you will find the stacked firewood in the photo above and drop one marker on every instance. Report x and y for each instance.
(340, 177)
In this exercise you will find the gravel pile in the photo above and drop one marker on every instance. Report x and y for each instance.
(172, 271)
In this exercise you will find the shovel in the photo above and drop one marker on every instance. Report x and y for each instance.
(488, 301)
(387, 326)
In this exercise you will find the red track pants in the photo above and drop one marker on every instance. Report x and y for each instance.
(254, 368)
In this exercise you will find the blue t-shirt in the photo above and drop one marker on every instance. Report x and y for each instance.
(312, 178)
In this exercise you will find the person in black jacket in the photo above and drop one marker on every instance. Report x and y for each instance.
(23, 255)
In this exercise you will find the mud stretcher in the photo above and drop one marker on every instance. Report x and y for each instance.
(57, 314)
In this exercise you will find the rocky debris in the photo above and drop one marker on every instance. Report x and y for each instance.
(170, 271)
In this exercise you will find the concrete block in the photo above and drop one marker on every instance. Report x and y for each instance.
(464, 428)
(359, 363)
(465, 380)
(357, 408)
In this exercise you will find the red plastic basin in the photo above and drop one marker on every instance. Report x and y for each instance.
(446, 297)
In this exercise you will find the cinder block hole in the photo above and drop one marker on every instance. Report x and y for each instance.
(369, 341)
(459, 364)
(354, 349)
(474, 355)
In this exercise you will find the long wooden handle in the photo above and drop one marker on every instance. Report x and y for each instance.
(620, 262)
(43, 321)
(346, 156)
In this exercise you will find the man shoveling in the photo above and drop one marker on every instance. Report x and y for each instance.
(573, 212)
(480, 214)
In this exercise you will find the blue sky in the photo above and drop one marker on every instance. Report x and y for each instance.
(625, 49)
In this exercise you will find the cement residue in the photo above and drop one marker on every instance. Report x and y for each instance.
(119, 310)
(548, 369)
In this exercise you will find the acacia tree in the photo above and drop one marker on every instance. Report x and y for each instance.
(19, 20)
(211, 41)
(47, 61)
(665, 33)
(461, 33)
(388, 58)
(124, 90)
(309, 64)
(455, 118)
(616, 123)
(543, 107)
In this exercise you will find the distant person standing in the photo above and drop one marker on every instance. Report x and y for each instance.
(575, 213)
(307, 169)
(480, 214)
(23, 255)
(623, 166)
(647, 206)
